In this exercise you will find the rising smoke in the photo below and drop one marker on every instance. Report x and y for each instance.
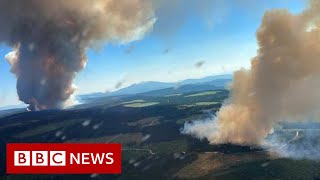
(305, 145)
(50, 39)
(282, 84)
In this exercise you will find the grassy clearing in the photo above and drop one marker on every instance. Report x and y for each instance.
(172, 95)
(203, 94)
(136, 105)
(199, 104)
(205, 103)
(134, 101)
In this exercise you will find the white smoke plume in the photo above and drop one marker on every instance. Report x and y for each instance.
(282, 84)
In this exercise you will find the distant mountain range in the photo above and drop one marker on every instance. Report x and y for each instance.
(163, 88)
(184, 89)
(207, 79)
(150, 88)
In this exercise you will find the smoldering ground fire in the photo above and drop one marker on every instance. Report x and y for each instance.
(282, 84)
(50, 39)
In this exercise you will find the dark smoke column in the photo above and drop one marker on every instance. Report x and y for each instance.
(50, 39)
(46, 64)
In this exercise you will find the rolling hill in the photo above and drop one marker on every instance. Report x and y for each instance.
(163, 88)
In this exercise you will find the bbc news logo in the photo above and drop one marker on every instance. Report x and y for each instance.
(48, 158)
(58, 158)
(39, 158)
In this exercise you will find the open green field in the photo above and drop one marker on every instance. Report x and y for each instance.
(146, 104)
(206, 93)
(134, 101)
(200, 104)
(171, 95)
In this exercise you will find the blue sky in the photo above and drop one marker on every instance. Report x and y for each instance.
(225, 41)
